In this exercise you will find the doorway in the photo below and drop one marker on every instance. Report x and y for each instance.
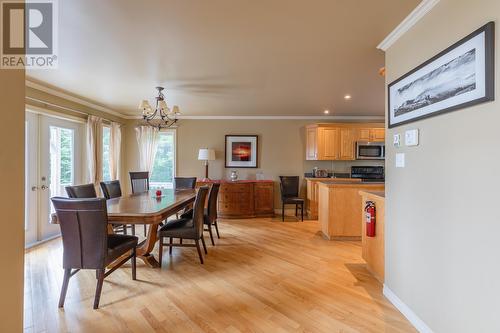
(54, 149)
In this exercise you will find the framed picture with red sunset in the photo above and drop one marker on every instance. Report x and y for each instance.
(241, 151)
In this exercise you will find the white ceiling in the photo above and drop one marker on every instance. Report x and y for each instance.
(227, 57)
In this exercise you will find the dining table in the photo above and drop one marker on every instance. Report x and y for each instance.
(146, 208)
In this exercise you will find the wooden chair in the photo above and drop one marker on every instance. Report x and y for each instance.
(86, 242)
(140, 183)
(112, 189)
(186, 228)
(289, 186)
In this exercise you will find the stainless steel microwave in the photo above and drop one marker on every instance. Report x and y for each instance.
(370, 150)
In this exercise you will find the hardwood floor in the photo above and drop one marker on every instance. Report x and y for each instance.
(262, 276)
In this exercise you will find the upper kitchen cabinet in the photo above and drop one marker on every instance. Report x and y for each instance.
(337, 141)
(371, 134)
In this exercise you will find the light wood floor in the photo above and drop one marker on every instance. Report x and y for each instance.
(262, 276)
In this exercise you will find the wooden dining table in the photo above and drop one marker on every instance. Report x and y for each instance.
(147, 208)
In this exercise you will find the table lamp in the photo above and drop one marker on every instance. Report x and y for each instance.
(206, 154)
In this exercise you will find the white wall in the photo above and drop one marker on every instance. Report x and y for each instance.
(443, 224)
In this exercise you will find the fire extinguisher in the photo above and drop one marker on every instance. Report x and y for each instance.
(370, 218)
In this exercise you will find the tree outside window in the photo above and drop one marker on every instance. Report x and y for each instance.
(162, 175)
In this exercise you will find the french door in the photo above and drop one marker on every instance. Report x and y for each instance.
(53, 161)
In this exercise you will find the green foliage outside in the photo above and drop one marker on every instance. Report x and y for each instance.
(66, 155)
(163, 169)
(106, 137)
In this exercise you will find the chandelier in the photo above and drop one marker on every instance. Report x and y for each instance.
(161, 116)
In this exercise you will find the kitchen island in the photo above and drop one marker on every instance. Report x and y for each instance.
(373, 247)
(338, 210)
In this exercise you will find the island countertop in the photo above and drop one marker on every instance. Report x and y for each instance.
(373, 194)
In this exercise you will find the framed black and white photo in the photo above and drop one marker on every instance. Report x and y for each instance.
(460, 76)
(241, 151)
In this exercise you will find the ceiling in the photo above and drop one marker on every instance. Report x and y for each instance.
(227, 57)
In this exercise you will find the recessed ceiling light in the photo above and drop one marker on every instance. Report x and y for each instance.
(347, 97)
(326, 111)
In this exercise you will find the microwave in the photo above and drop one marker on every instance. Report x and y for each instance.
(366, 150)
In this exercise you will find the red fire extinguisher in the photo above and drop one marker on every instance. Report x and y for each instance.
(370, 218)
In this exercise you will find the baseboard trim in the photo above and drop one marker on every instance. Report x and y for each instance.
(406, 311)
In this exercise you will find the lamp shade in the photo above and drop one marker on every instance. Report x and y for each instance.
(144, 105)
(206, 154)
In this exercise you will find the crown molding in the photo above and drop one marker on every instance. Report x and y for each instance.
(420, 11)
(334, 118)
(71, 98)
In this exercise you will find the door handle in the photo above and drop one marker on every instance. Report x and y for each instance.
(34, 188)
(44, 187)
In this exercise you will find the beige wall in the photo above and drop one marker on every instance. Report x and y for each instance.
(442, 248)
(12, 200)
(281, 148)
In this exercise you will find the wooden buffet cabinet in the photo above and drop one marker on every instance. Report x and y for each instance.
(244, 198)
(337, 141)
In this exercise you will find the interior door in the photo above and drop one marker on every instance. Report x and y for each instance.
(60, 152)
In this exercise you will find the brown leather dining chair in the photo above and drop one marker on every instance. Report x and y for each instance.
(186, 228)
(112, 189)
(210, 213)
(289, 186)
(81, 191)
(184, 183)
(86, 243)
(139, 181)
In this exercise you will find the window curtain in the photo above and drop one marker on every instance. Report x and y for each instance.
(147, 138)
(94, 150)
(115, 144)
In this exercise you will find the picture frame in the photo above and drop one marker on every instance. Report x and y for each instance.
(458, 77)
(241, 151)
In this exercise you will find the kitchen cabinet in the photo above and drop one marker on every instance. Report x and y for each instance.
(312, 143)
(337, 141)
(371, 134)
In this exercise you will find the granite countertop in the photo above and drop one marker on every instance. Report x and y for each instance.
(224, 181)
(378, 194)
(339, 182)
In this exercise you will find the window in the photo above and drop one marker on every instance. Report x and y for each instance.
(106, 138)
(163, 172)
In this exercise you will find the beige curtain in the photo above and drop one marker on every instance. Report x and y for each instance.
(115, 150)
(94, 149)
(147, 138)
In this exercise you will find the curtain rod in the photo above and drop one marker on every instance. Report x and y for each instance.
(45, 103)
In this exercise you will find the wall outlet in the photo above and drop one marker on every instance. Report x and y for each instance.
(400, 160)
(397, 140)
(411, 137)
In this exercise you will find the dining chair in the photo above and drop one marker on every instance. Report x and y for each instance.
(81, 191)
(184, 183)
(186, 228)
(289, 186)
(139, 181)
(86, 243)
(112, 189)
(209, 213)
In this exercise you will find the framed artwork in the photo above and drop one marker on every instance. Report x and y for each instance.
(241, 151)
(458, 77)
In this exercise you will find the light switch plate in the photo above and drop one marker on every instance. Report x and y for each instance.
(397, 140)
(400, 160)
(411, 137)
